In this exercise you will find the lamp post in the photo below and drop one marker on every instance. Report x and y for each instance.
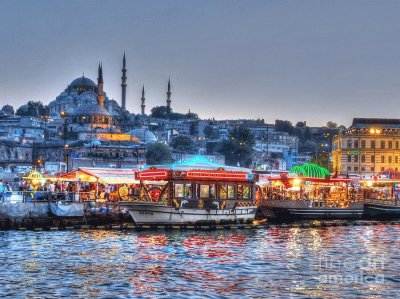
(66, 155)
(375, 133)
(144, 145)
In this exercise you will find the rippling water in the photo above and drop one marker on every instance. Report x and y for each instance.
(335, 262)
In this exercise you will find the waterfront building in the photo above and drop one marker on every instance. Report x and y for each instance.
(367, 147)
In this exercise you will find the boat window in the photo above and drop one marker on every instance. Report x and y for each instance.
(188, 190)
(226, 191)
(179, 190)
(204, 191)
(231, 191)
(183, 190)
(244, 192)
(207, 191)
(213, 193)
(223, 192)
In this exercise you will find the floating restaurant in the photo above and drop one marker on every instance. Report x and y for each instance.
(197, 191)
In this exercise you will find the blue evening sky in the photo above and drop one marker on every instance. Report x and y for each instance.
(297, 60)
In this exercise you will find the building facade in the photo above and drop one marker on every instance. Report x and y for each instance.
(368, 147)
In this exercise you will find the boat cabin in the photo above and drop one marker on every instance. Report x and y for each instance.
(204, 188)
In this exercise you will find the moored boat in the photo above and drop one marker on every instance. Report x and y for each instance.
(382, 211)
(194, 193)
(296, 197)
(318, 213)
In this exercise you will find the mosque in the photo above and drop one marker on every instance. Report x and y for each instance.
(89, 114)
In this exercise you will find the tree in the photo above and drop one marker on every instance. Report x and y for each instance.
(331, 125)
(159, 112)
(158, 153)
(8, 109)
(33, 108)
(238, 149)
(184, 144)
(283, 126)
(301, 124)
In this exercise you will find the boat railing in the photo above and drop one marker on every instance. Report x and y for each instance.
(389, 202)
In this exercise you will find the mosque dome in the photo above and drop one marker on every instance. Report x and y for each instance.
(90, 109)
(82, 81)
(82, 84)
(144, 135)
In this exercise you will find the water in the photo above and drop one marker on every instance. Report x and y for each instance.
(334, 262)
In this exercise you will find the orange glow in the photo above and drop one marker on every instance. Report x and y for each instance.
(114, 136)
(152, 174)
(374, 131)
(217, 175)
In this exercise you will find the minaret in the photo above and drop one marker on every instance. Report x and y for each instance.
(143, 99)
(169, 97)
(123, 85)
(100, 96)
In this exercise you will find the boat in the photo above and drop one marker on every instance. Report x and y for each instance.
(193, 193)
(317, 196)
(353, 212)
(382, 211)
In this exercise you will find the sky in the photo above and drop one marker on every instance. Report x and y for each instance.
(296, 60)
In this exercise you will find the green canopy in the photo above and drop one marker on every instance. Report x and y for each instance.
(310, 170)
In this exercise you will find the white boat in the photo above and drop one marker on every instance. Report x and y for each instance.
(194, 193)
(149, 213)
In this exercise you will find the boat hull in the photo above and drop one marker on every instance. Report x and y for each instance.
(381, 211)
(143, 213)
(293, 214)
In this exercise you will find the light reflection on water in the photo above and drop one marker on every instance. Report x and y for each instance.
(274, 263)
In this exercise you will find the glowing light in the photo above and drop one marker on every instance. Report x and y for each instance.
(296, 182)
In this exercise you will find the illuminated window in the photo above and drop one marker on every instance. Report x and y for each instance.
(226, 192)
(179, 190)
(372, 143)
(188, 190)
(207, 191)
